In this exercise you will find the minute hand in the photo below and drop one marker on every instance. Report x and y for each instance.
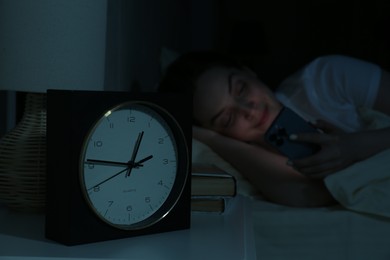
(135, 151)
(103, 162)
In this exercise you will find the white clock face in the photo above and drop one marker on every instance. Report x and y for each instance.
(129, 166)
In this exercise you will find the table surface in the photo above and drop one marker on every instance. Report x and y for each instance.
(211, 236)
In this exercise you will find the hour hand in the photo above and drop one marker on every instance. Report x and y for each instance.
(111, 163)
(139, 163)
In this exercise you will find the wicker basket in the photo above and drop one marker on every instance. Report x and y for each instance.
(23, 159)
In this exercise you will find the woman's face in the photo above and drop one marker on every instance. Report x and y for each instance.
(234, 103)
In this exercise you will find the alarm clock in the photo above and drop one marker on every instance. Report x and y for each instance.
(118, 164)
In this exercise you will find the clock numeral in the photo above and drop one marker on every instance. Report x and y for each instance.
(131, 119)
(165, 161)
(111, 125)
(96, 189)
(129, 208)
(147, 199)
(98, 143)
(161, 183)
(160, 140)
(91, 166)
(110, 202)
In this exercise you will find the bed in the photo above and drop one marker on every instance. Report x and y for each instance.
(358, 228)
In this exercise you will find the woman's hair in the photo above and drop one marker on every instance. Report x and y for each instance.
(182, 74)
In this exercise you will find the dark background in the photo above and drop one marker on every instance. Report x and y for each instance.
(278, 37)
(274, 37)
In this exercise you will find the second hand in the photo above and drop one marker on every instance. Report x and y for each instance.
(113, 176)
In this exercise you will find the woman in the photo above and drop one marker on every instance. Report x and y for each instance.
(232, 109)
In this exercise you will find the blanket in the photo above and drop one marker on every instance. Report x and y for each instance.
(365, 186)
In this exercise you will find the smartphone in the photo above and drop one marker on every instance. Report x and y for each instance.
(288, 122)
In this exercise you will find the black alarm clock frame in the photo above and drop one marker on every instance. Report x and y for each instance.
(70, 116)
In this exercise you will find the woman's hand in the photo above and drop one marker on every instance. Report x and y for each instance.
(338, 151)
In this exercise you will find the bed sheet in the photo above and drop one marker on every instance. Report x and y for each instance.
(318, 233)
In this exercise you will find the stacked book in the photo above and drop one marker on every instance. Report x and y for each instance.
(211, 188)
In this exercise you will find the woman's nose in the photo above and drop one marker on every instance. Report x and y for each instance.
(248, 104)
(247, 108)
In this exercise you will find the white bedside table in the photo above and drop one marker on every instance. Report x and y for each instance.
(212, 236)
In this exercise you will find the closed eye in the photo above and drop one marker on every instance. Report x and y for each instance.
(227, 120)
(240, 88)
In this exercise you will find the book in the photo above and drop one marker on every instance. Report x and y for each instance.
(211, 188)
(209, 204)
(209, 180)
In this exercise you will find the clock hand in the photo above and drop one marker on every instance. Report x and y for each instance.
(103, 162)
(135, 151)
(113, 176)
(138, 164)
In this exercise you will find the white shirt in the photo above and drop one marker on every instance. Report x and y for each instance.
(333, 88)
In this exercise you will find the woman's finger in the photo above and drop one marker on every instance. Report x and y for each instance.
(327, 127)
(316, 138)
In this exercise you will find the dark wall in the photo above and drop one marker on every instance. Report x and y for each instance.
(3, 118)
(278, 37)
(138, 31)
